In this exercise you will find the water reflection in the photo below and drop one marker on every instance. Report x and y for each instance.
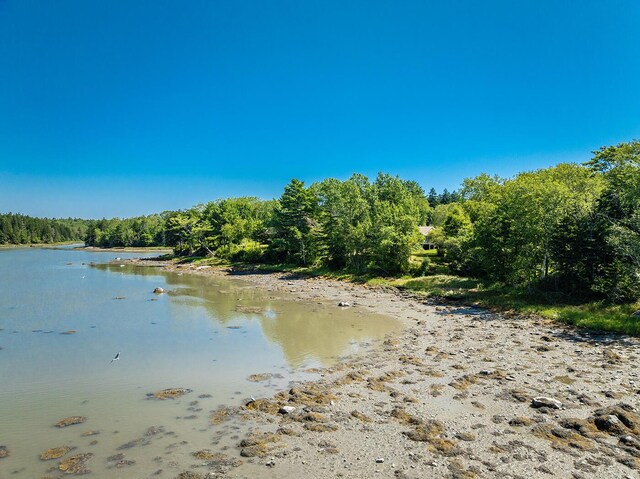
(304, 331)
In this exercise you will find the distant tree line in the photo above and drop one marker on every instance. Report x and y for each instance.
(21, 229)
(443, 198)
(125, 232)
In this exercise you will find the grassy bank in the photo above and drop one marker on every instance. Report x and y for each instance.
(596, 315)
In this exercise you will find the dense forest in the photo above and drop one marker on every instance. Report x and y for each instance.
(573, 229)
(20, 229)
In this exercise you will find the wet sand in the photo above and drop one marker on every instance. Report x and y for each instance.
(460, 392)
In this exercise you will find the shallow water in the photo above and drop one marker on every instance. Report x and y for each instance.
(205, 334)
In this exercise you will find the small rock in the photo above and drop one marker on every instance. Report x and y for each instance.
(543, 401)
(379, 460)
(344, 304)
(158, 291)
(4, 452)
(286, 409)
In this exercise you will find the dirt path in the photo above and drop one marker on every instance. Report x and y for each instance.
(452, 396)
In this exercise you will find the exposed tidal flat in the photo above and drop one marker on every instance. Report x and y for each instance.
(460, 392)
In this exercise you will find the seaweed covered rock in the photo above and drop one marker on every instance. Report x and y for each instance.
(76, 464)
(70, 421)
(171, 393)
(259, 445)
(619, 420)
(54, 453)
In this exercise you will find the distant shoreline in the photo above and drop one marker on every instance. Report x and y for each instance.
(39, 245)
(128, 249)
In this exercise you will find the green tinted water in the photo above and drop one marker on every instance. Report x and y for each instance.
(205, 334)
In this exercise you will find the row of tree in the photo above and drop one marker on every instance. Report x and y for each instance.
(22, 229)
(570, 228)
(354, 224)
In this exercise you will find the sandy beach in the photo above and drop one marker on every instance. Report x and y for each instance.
(459, 393)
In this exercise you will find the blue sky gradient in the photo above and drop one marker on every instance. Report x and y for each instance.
(120, 108)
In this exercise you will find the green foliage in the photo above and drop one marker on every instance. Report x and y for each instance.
(346, 221)
(569, 229)
(297, 234)
(618, 218)
(228, 228)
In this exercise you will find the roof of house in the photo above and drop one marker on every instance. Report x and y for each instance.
(425, 230)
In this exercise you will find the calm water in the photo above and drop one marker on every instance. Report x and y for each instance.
(205, 334)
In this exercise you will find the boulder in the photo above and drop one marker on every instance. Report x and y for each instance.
(544, 401)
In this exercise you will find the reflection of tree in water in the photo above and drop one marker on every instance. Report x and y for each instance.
(323, 333)
(303, 330)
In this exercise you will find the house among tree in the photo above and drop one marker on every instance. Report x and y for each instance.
(426, 231)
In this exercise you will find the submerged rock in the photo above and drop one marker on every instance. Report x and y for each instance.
(171, 393)
(70, 421)
(249, 309)
(221, 414)
(255, 378)
(4, 452)
(189, 475)
(54, 453)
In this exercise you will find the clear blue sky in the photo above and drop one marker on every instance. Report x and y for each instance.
(118, 108)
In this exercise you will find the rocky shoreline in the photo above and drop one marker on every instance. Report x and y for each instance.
(460, 393)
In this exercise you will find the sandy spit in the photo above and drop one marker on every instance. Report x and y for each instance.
(450, 396)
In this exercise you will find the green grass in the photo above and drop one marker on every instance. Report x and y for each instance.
(595, 315)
